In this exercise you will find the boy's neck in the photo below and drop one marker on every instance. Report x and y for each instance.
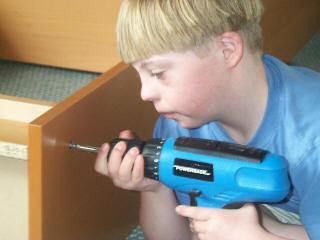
(245, 110)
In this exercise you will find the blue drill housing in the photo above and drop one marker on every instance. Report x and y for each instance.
(223, 179)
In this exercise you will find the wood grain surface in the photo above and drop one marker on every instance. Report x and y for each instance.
(288, 25)
(68, 199)
(81, 34)
(74, 34)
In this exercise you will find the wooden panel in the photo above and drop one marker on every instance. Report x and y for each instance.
(81, 34)
(68, 199)
(75, 34)
(288, 25)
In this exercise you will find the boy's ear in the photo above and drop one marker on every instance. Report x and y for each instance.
(232, 47)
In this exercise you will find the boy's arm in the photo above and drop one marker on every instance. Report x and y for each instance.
(158, 217)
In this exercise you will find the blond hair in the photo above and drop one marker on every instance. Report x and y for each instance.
(149, 27)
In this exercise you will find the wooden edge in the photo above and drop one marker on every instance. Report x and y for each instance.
(21, 111)
(13, 131)
(16, 113)
(81, 93)
(35, 184)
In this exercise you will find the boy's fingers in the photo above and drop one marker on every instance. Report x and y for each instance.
(138, 169)
(115, 159)
(196, 213)
(101, 160)
(199, 226)
(127, 164)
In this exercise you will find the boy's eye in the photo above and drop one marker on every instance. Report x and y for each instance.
(157, 74)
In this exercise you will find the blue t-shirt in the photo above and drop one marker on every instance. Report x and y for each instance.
(290, 127)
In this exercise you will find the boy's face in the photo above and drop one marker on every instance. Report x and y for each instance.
(184, 86)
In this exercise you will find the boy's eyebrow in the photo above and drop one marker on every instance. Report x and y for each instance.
(149, 63)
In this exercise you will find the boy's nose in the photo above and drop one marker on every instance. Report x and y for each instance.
(148, 93)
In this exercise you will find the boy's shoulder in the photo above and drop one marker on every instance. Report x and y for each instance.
(301, 77)
(298, 99)
(298, 86)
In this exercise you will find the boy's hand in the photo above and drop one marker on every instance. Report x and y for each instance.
(224, 224)
(125, 170)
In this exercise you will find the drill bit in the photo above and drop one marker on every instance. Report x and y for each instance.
(84, 148)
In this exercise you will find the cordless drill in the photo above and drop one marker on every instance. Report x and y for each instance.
(212, 173)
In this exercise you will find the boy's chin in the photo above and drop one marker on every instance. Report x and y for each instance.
(189, 124)
(184, 121)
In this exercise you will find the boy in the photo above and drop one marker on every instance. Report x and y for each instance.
(201, 65)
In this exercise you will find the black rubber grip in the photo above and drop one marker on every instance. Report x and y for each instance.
(129, 142)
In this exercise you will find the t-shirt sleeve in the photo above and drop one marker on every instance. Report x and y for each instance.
(306, 181)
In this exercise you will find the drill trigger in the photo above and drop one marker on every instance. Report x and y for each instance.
(193, 195)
